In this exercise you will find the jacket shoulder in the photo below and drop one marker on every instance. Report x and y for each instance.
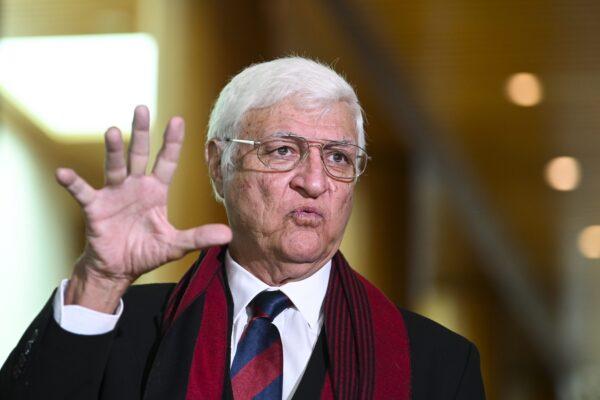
(424, 331)
(444, 364)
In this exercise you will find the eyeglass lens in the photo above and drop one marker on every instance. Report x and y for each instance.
(341, 160)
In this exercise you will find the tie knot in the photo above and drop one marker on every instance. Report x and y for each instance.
(269, 304)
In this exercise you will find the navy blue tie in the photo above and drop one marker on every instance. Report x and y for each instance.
(257, 369)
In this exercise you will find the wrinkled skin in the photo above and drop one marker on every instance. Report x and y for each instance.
(127, 229)
(286, 225)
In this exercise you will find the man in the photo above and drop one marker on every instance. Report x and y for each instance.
(271, 309)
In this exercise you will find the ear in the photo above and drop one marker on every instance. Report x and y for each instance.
(213, 153)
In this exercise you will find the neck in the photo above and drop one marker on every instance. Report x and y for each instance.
(272, 270)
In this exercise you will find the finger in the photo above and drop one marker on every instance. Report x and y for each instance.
(79, 188)
(115, 170)
(166, 162)
(139, 148)
(203, 237)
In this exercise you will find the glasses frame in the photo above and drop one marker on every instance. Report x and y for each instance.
(309, 143)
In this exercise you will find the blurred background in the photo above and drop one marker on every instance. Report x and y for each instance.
(479, 208)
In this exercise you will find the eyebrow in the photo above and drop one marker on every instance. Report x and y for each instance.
(288, 133)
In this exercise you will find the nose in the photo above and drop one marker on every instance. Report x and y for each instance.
(310, 177)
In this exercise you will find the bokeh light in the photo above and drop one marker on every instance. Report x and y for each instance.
(563, 173)
(589, 242)
(524, 89)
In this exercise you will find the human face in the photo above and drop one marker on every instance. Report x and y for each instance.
(286, 225)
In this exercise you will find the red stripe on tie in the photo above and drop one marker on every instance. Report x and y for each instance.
(257, 374)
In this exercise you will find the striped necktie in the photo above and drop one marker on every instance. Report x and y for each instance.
(257, 369)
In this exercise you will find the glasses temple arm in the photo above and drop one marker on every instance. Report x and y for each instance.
(252, 142)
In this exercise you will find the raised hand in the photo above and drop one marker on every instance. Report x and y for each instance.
(127, 230)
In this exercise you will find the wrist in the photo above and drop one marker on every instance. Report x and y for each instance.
(94, 292)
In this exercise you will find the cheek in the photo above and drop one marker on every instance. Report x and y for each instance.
(239, 198)
(273, 190)
(253, 199)
(344, 209)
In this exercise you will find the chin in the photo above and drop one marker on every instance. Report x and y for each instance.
(303, 247)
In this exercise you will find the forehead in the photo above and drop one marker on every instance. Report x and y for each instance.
(332, 121)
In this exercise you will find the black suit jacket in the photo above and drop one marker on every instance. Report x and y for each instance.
(50, 363)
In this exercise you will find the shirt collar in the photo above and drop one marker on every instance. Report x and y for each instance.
(307, 295)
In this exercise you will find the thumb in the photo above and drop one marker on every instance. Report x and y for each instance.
(203, 236)
(77, 186)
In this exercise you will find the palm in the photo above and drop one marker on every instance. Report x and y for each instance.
(127, 229)
(135, 215)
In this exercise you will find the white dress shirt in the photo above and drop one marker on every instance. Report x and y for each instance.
(299, 326)
(82, 320)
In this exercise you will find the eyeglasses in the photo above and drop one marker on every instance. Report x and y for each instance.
(342, 160)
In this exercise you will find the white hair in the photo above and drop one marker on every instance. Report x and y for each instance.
(311, 84)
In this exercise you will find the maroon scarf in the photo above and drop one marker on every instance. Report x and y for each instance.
(367, 342)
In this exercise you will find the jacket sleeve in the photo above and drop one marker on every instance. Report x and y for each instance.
(51, 363)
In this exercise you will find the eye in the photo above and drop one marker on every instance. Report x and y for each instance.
(338, 157)
(284, 150)
(279, 149)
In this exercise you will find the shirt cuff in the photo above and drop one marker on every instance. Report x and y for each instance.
(81, 320)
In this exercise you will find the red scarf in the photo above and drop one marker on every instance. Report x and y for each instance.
(367, 342)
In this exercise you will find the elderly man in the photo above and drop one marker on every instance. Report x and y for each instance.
(271, 309)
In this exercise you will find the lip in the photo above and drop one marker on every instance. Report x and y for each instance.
(307, 210)
(307, 216)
